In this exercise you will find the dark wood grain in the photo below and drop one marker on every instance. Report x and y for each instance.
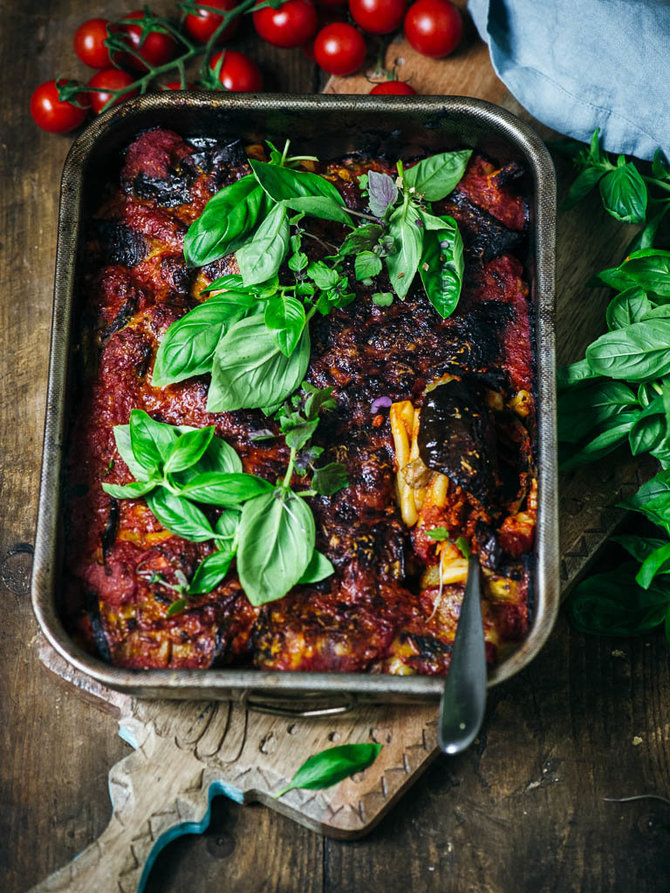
(522, 811)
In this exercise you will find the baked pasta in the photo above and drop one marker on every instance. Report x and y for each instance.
(398, 533)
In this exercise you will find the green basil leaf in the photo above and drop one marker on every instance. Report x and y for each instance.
(575, 373)
(176, 607)
(628, 307)
(367, 265)
(382, 193)
(124, 446)
(441, 268)
(188, 449)
(624, 194)
(582, 186)
(260, 258)
(211, 572)
(151, 441)
(439, 534)
(214, 488)
(179, 516)
(329, 479)
(227, 525)
(650, 430)
(297, 432)
(318, 569)
(659, 167)
(657, 486)
(363, 238)
(228, 220)
(250, 371)
(282, 183)
(324, 769)
(435, 177)
(320, 206)
(403, 262)
(188, 346)
(609, 439)
(615, 277)
(129, 491)
(285, 316)
(650, 269)
(637, 353)
(612, 604)
(658, 510)
(656, 564)
(382, 298)
(276, 542)
(318, 400)
(580, 410)
(322, 275)
(640, 547)
(646, 237)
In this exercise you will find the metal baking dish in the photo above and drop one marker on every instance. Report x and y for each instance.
(326, 126)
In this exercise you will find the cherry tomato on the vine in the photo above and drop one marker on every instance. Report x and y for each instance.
(290, 25)
(238, 73)
(202, 24)
(433, 27)
(331, 3)
(104, 82)
(89, 43)
(56, 115)
(378, 16)
(339, 48)
(397, 88)
(156, 49)
(176, 85)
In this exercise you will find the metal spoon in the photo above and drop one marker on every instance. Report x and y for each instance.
(464, 696)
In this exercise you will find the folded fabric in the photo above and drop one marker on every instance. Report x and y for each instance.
(581, 64)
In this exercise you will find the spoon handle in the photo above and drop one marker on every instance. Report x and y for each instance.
(464, 697)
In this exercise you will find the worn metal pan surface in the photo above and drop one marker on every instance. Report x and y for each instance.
(327, 126)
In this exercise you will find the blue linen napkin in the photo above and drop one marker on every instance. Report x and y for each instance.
(581, 64)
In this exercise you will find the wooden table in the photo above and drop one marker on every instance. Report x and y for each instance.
(522, 810)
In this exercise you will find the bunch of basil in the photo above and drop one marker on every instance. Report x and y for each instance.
(253, 335)
(620, 394)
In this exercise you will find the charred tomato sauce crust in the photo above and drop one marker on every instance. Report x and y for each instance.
(373, 614)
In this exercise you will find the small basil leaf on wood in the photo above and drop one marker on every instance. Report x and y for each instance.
(367, 265)
(657, 486)
(640, 547)
(624, 193)
(637, 353)
(285, 317)
(328, 767)
(613, 604)
(188, 449)
(211, 572)
(568, 376)
(228, 220)
(441, 267)
(260, 258)
(627, 307)
(319, 568)
(329, 479)
(585, 408)
(657, 563)
(214, 488)
(151, 441)
(276, 542)
(179, 516)
(382, 193)
(188, 346)
(250, 371)
(435, 177)
(615, 432)
(403, 262)
(581, 187)
(129, 491)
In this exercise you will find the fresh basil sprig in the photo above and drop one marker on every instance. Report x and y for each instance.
(329, 767)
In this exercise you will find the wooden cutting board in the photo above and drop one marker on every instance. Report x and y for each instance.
(187, 752)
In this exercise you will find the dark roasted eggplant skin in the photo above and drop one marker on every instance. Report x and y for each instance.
(456, 438)
(371, 614)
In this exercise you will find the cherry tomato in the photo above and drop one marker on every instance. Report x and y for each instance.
(176, 85)
(433, 27)
(339, 48)
(53, 114)
(157, 48)
(89, 43)
(331, 3)
(239, 73)
(105, 81)
(291, 25)
(202, 24)
(378, 16)
(398, 88)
